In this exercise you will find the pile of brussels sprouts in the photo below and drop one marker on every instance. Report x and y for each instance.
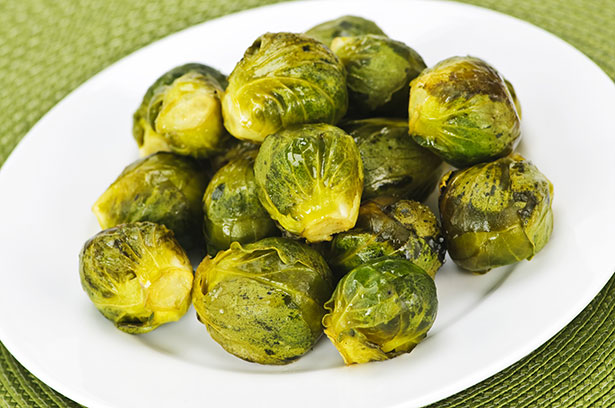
(301, 176)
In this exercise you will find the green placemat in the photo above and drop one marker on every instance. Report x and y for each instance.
(48, 48)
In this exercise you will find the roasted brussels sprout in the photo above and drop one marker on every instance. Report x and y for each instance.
(137, 276)
(379, 73)
(283, 79)
(496, 214)
(181, 112)
(231, 206)
(345, 26)
(393, 164)
(403, 229)
(263, 302)
(165, 188)
(462, 110)
(310, 179)
(380, 310)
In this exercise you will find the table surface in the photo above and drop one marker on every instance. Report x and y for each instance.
(47, 49)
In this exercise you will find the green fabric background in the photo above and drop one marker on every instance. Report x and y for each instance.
(48, 48)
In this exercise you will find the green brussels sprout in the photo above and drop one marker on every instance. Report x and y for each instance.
(345, 26)
(379, 73)
(231, 206)
(137, 276)
(164, 188)
(462, 110)
(403, 229)
(310, 179)
(181, 113)
(263, 302)
(393, 164)
(496, 214)
(283, 79)
(380, 310)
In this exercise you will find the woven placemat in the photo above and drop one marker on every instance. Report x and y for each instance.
(48, 48)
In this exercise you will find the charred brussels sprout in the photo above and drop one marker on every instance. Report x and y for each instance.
(263, 302)
(379, 73)
(495, 214)
(345, 26)
(283, 79)
(310, 179)
(462, 110)
(165, 188)
(380, 310)
(181, 112)
(403, 229)
(231, 206)
(137, 276)
(393, 164)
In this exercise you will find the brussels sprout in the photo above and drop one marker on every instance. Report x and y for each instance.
(403, 229)
(380, 310)
(263, 302)
(231, 206)
(283, 79)
(310, 179)
(379, 73)
(137, 276)
(393, 164)
(495, 214)
(462, 110)
(345, 26)
(181, 112)
(165, 188)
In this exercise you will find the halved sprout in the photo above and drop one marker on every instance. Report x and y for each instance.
(181, 113)
(310, 179)
(283, 79)
(263, 302)
(495, 214)
(462, 110)
(137, 276)
(380, 310)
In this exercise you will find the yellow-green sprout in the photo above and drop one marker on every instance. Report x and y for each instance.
(495, 214)
(164, 188)
(462, 110)
(310, 179)
(283, 79)
(263, 302)
(137, 276)
(181, 113)
(380, 309)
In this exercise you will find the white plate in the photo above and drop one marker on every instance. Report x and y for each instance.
(485, 323)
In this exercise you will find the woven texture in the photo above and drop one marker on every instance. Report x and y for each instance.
(48, 48)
